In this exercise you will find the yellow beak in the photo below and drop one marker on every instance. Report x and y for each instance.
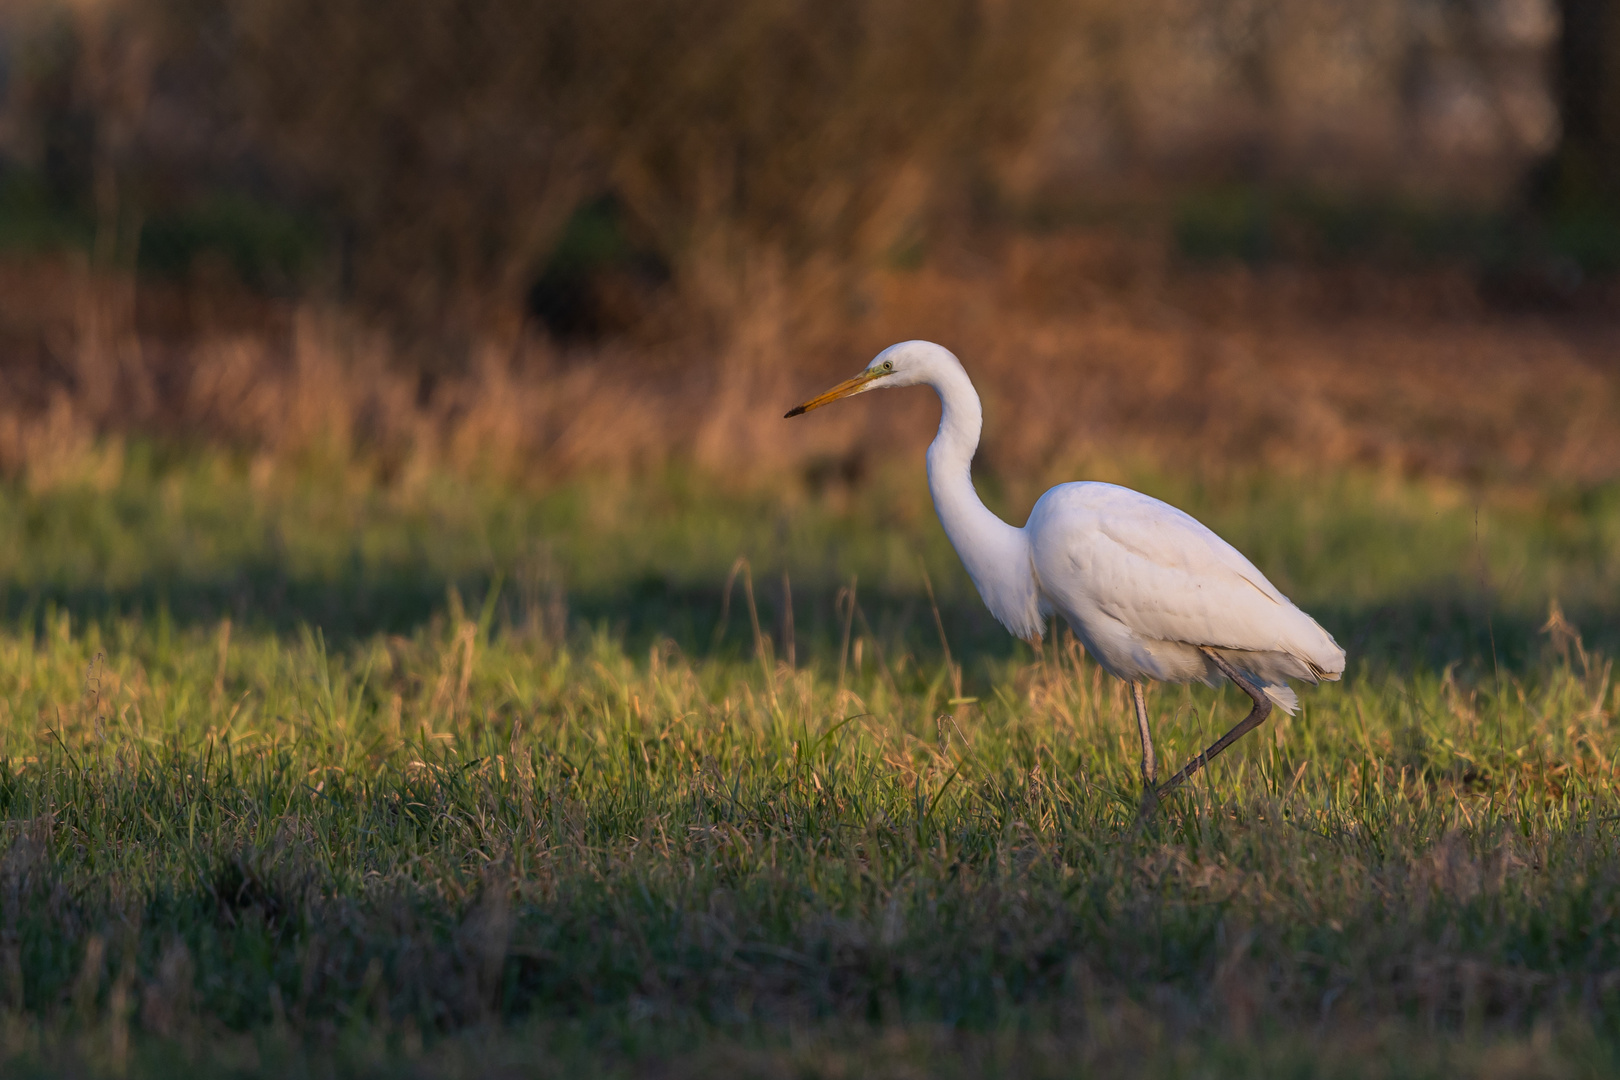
(842, 390)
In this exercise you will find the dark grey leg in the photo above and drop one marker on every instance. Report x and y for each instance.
(1256, 717)
(1150, 768)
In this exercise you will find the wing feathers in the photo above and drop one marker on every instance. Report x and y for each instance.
(1154, 571)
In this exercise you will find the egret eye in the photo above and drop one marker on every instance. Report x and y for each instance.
(888, 365)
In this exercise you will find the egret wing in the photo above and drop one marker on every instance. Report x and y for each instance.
(1163, 574)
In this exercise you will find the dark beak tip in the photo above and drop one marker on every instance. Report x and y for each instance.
(795, 411)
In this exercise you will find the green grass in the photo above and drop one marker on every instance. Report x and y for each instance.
(305, 776)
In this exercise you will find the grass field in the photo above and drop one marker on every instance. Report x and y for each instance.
(304, 776)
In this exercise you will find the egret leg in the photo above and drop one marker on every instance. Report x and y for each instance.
(1150, 768)
(1256, 717)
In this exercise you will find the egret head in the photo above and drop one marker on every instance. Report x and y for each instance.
(905, 364)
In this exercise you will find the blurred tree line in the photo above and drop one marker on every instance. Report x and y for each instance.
(1584, 171)
(461, 166)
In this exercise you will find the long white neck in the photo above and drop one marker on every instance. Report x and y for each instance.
(996, 555)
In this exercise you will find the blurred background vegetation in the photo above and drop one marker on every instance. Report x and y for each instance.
(545, 238)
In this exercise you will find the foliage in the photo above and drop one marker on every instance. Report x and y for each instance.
(455, 140)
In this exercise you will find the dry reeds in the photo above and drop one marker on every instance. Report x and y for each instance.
(1188, 369)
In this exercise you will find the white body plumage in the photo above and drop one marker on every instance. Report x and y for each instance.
(1143, 585)
(1148, 590)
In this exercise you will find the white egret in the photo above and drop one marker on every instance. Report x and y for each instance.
(1150, 591)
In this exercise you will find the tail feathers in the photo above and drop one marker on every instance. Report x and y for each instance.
(1326, 660)
(1282, 695)
(1330, 674)
(1271, 671)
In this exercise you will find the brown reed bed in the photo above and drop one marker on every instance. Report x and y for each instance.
(1086, 345)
